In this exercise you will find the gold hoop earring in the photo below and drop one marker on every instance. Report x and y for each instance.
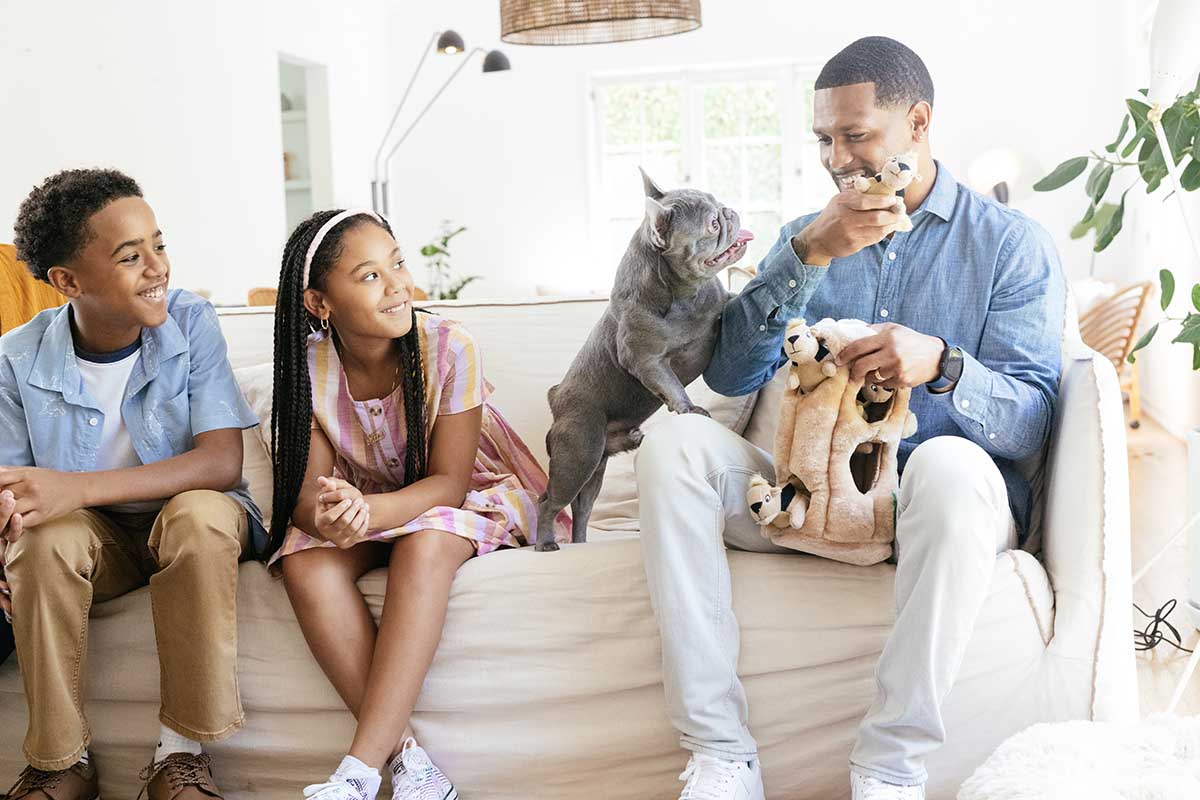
(324, 323)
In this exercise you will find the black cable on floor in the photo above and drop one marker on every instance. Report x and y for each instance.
(1152, 635)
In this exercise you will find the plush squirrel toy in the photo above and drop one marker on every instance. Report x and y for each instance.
(895, 176)
(872, 405)
(808, 367)
(780, 506)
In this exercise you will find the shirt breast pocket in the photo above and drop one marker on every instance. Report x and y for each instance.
(169, 424)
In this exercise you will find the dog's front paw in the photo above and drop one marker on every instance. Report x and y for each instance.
(546, 547)
(698, 410)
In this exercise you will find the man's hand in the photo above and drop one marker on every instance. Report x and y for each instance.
(851, 221)
(896, 357)
(342, 513)
(41, 495)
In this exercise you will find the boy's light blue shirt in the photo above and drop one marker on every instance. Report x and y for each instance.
(980, 275)
(180, 387)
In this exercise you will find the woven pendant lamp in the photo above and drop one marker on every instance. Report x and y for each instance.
(557, 22)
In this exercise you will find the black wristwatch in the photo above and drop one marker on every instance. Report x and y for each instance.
(950, 369)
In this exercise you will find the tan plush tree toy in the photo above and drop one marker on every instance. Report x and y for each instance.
(835, 452)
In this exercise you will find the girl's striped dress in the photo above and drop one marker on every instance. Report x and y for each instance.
(368, 436)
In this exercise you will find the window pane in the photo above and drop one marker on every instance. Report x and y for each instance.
(722, 173)
(622, 114)
(765, 226)
(622, 184)
(764, 164)
(664, 118)
(760, 108)
(723, 111)
(664, 166)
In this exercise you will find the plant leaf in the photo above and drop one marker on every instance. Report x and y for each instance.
(1108, 232)
(1063, 174)
(1196, 297)
(1084, 225)
(1167, 282)
(1142, 342)
(1196, 357)
(1096, 188)
(1142, 131)
(1189, 335)
(1190, 179)
(1112, 148)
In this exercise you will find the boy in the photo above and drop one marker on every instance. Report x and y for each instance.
(120, 465)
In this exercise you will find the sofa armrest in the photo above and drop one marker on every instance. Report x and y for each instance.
(1086, 534)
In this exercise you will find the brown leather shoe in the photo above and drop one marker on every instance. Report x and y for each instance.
(77, 782)
(180, 776)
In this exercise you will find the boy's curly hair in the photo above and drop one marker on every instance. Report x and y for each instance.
(52, 223)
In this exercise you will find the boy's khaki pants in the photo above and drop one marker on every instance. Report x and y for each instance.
(188, 552)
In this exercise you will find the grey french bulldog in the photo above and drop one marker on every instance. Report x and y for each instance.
(656, 336)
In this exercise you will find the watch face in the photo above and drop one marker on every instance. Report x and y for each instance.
(954, 364)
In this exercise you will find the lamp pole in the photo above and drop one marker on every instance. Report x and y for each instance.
(376, 203)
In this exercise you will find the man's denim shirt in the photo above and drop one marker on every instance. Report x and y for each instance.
(980, 275)
(181, 386)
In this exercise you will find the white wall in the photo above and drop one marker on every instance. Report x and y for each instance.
(506, 154)
(185, 98)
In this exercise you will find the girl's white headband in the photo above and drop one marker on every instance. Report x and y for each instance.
(325, 229)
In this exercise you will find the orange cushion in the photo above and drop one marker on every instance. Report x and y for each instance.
(21, 295)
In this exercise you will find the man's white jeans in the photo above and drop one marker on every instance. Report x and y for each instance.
(953, 519)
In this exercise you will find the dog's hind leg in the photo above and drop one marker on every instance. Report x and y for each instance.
(576, 447)
(581, 506)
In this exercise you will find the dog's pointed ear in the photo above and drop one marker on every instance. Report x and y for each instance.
(650, 186)
(658, 220)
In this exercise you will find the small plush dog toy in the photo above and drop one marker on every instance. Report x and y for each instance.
(895, 176)
(780, 506)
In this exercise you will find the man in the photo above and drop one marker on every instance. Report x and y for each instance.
(120, 465)
(968, 309)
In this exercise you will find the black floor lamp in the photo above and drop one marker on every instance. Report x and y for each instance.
(449, 43)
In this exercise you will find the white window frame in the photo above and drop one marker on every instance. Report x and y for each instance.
(799, 146)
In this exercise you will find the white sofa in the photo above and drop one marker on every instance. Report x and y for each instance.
(547, 684)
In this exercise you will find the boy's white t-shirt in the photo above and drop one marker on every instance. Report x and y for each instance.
(106, 382)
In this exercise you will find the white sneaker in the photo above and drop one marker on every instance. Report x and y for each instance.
(414, 776)
(710, 778)
(352, 781)
(864, 787)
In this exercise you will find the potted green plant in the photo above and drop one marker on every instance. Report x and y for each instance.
(442, 286)
(1142, 150)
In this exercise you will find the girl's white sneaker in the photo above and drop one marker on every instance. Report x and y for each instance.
(414, 776)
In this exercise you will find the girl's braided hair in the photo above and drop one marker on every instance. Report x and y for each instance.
(291, 413)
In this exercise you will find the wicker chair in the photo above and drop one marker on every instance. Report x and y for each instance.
(1110, 328)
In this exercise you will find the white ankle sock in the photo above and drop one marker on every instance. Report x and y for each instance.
(352, 766)
(171, 742)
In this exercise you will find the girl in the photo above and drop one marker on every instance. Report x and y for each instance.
(387, 452)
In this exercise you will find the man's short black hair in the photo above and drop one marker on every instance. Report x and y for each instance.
(899, 74)
(52, 223)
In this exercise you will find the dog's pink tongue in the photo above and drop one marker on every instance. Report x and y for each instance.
(743, 236)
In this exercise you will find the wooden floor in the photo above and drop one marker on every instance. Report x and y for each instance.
(1158, 489)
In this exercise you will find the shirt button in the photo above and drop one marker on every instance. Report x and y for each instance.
(791, 284)
(883, 312)
(393, 462)
(991, 436)
(762, 327)
(891, 256)
(377, 411)
(965, 404)
(93, 422)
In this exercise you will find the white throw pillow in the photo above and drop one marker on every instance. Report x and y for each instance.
(616, 508)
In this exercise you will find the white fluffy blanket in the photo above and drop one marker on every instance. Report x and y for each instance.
(1157, 759)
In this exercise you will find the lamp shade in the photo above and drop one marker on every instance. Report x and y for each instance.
(495, 61)
(450, 42)
(558, 22)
